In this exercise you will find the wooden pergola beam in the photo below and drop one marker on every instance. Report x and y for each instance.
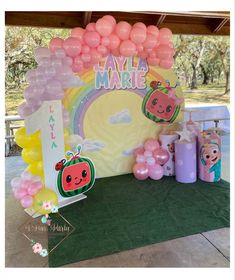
(161, 19)
(220, 25)
(86, 18)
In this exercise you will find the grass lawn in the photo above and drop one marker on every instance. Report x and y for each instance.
(204, 94)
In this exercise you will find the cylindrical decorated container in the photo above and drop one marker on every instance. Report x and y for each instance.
(167, 142)
(185, 161)
(209, 156)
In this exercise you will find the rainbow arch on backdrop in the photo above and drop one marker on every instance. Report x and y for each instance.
(78, 100)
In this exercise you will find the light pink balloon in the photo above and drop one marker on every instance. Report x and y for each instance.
(161, 155)
(16, 182)
(55, 61)
(164, 52)
(165, 35)
(60, 53)
(53, 86)
(147, 153)
(104, 27)
(138, 35)
(91, 26)
(78, 32)
(140, 25)
(127, 48)
(42, 52)
(152, 29)
(150, 41)
(140, 171)
(32, 190)
(151, 144)
(114, 41)
(92, 38)
(105, 41)
(166, 64)
(72, 46)
(86, 57)
(85, 49)
(76, 68)
(143, 54)
(24, 110)
(123, 30)
(78, 61)
(155, 171)
(36, 178)
(67, 61)
(37, 184)
(26, 201)
(116, 52)
(150, 161)
(19, 193)
(111, 19)
(56, 43)
(139, 151)
(88, 65)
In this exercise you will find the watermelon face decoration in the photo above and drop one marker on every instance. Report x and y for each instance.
(76, 176)
(161, 104)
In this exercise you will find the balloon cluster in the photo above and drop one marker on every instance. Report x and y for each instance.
(149, 160)
(87, 46)
(26, 187)
(48, 80)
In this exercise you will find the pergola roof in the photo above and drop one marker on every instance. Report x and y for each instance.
(201, 23)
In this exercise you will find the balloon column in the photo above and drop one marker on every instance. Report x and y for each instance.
(86, 47)
(149, 160)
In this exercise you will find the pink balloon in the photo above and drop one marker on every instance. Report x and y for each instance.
(139, 47)
(140, 159)
(19, 193)
(154, 61)
(166, 64)
(114, 41)
(76, 68)
(140, 171)
(152, 29)
(36, 178)
(148, 153)
(155, 171)
(32, 190)
(78, 32)
(26, 201)
(127, 48)
(95, 56)
(72, 46)
(102, 50)
(151, 144)
(111, 19)
(150, 41)
(140, 25)
(90, 27)
(150, 161)
(161, 155)
(139, 151)
(104, 27)
(105, 41)
(86, 57)
(85, 49)
(116, 52)
(56, 43)
(78, 61)
(123, 30)
(143, 54)
(37, 185)
(164, 52)
(165, 35)
(92, 38)
(138, 35)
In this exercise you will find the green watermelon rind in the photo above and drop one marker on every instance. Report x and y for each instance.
(79, 190)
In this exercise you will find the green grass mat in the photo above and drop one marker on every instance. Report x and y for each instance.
(122, 213)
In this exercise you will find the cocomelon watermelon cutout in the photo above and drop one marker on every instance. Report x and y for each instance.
(161, 103)
(76, 176)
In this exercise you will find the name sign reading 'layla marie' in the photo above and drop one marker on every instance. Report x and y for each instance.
(121, 73)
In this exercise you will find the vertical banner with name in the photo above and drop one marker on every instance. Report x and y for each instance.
(48, 120)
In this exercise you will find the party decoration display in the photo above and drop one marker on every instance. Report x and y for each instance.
(209, 156)
(149, 160)
(167, 142)
(86, 47)
(26, 187)
(185, 158)
(161, 103)
(76, 176)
